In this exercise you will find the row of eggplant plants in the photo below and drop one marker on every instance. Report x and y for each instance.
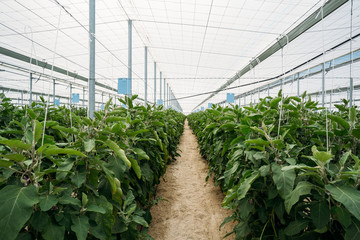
(65, 176)
(289, 169)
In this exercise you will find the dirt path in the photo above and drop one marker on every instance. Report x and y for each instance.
(193, 207)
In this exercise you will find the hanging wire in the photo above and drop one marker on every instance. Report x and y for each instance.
(52, 72)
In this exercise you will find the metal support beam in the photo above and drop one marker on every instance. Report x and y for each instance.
(70, 97)
(145, 102)
(323, 86)
(91, 102)
(311, 20)
(155, 83)
(160, 85)
(22, 98)
(54, 91)
(130, 53)
(83, 97)
(351, 91)
(31, 85)
(164, 92)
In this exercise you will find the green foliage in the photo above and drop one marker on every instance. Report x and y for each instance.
(81, 178)
(289, 170)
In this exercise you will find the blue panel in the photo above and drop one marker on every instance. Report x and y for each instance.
(230, 98)
(356, 55)
(124, 86)
(159, 102)
(210, 105)
(57, 102)
(317, 68)
(341, 60)
(202, 109)
(102, 106)
(75, 98)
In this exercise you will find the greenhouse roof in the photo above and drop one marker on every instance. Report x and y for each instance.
(198, 45)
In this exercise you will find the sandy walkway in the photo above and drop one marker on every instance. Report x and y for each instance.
(193, 210)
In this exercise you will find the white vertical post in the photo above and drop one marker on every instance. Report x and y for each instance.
(83, 97)
(323, 86)
(160, 85)
(54, 91)
(130, 54)
(146, 75)
(70, 97)
(91, 99)
(31, 78)
(155, 83)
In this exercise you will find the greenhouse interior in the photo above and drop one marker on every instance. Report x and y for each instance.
(179, 119)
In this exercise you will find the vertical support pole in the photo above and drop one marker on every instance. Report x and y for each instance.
(70, 97)
(31, 85)
(146, 75)
(102, 98)
(83, 97)
(54, 91)
(351, 90)
(22, 98)
(164, 92)
(155, 83)
(91, 100)
(323, 86)
(130, 54)
(268, 90)
(160, 85)
(298, 85)
(330, 100)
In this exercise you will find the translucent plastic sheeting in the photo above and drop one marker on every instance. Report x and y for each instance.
(197, 44)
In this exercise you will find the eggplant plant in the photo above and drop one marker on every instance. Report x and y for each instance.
(289, 169)
(65, 176)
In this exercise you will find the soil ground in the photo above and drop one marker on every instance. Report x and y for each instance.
(192, 209)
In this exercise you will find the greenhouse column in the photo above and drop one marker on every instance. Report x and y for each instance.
(298, 85)
(323, 86)
(160, 85)
(130, 54)
(22, 98)
(351, 90)
(31, 78)
(54, 91)
(155, 83)
(83, 97)
(91, 101)
(164, 92)
(145, 75)
(70, 95)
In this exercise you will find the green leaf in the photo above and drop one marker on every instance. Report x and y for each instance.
(348, 196)
(80, 226)
(78, 178)
(38, 131)
(353, 232)
(135, 166)
(352, 114)
(258, 141)
(65, 166)
(141, 153)
(340, 121)
(95, 208)
(295, 227)
(356, 132)
(344, 158)
(53, 232)
(113, 119)
(53, 150)
(15, 157)
(84, 199)
(284, 180)
(321, 156)
(16, 207)
(89, 145)
(246, 184)
(47, 201)
(6, 163)
(342, 215)
(31, 113)
(320, 214)
(15, 144)
(302, 188)
(118, 151)
(140, 220)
